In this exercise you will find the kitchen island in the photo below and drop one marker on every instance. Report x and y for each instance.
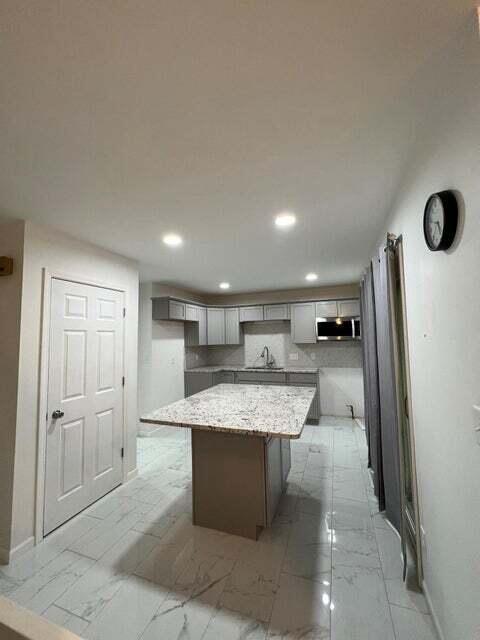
(240, 450)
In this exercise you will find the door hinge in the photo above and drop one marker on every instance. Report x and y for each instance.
(122, 452)
(123, 381)
(124, 312)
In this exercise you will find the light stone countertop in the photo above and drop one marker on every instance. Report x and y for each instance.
(223, 367)
(258, 410)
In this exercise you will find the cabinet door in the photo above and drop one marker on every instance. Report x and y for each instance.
(348, 308)
(251, 314)
(215, 325)
(327, 309)
(224, 377)
(176, 310)
(303, 327)
(233, 330)
(197, 381)
(191, 312)
(202, 326)
(276, 312)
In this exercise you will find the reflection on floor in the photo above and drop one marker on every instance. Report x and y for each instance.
(133, 566)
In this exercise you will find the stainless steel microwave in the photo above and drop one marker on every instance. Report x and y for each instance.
(338, 328)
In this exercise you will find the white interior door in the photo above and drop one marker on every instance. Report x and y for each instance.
(85, 399)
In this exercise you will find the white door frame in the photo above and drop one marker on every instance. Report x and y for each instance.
(47, 277)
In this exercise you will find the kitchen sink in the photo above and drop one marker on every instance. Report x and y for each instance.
(266, 368)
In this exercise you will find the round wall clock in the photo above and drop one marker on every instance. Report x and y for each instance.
(440, 220)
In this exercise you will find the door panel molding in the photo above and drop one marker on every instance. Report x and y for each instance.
(45, 323)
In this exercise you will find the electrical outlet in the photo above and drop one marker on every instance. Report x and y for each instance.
(293, 355)
(196, 356)
(313, 355)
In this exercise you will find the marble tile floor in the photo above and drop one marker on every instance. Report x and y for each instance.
(133, 566)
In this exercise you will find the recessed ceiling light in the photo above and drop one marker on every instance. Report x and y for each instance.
(285, 220)
(172, 239)
(224, 285)
(311, 277)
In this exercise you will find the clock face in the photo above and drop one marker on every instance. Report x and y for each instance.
(440, 220)
(435, 222)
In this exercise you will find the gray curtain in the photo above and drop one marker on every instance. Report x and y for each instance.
(371, 384)
(387, 389)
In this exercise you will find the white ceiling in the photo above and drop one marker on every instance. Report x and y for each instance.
(122, 120)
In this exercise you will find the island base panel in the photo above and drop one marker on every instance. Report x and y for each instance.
(229, 482)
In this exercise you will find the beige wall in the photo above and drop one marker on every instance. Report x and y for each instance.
(287, 295)
(443, 312)
(11, 244)
(61, 254)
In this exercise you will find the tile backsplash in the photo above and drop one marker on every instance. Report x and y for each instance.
(276, 336)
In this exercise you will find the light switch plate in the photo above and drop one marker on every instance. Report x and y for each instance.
(293, 355)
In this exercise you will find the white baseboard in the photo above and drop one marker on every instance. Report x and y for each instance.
(436, 622)
(131, 475)
(6, 557)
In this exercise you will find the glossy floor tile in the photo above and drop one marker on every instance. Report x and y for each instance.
(133, 567)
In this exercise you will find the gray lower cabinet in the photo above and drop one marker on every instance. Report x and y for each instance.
(307, 380)
(278, 463)
(303, 328)
(223, 377)
(251, 314)
(215, 325)
(274, 476)
(276, 312)
(197, 381)
(286, 458)
(254, 377)
(233, 328)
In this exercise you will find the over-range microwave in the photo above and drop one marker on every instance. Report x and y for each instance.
(338, 328)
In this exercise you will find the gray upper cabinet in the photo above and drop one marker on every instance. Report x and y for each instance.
(233, 328)
(191, 312)
(196, 326)
(348, 308)
(303, 329)
(215, 325)
(327, 309)
(167, 309)
(176, 310)
(251, 314)
(276, 312)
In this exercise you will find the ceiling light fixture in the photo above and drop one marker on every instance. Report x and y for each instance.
(285, 220)
(311, 277)
(224, 285)
(172, 239)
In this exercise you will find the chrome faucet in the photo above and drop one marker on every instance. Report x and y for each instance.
(268, 359)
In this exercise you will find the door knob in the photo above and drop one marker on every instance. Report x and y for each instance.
(57, 414)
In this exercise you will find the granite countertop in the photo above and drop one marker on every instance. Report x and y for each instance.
(217, 368)
(258, 410)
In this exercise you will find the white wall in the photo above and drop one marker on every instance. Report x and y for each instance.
(339, 387)
(61, 254)
(11, 245)
(443, 309)
(161, 353)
